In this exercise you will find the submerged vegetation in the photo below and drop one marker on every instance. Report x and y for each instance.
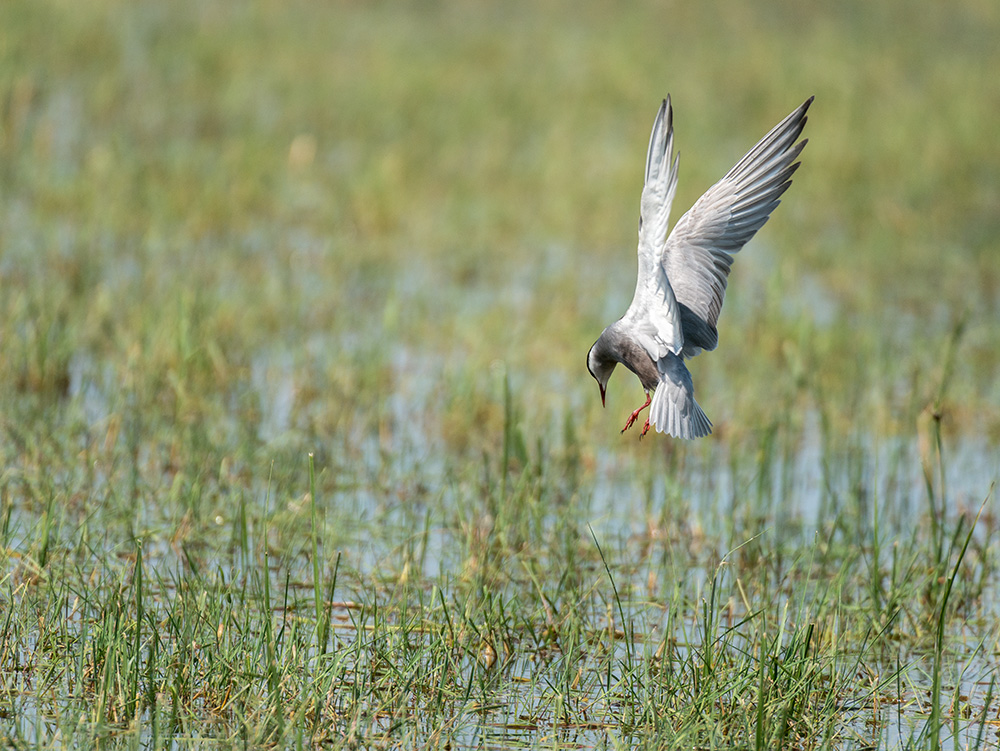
(297, 444)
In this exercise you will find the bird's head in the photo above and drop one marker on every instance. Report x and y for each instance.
(600, 366)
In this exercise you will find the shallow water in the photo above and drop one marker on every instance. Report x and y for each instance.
(404, 481)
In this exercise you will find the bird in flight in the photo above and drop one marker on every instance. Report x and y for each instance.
(682, 277)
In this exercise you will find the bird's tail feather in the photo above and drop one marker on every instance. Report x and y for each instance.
(673, 410)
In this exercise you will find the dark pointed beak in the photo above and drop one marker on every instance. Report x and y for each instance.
(602, 393)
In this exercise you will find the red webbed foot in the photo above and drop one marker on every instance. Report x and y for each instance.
(635, 415)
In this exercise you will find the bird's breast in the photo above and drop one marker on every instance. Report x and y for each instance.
(635, 358)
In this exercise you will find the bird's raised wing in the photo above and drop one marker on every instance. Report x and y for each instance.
(653, 316)
(699, 252)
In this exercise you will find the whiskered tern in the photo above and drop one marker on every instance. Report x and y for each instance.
(682, 277)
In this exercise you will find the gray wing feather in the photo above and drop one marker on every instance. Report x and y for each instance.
(653, 316)
(699, 252)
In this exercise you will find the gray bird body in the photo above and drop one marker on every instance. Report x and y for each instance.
(682, 278)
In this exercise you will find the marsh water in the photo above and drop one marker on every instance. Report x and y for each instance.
(779, 496)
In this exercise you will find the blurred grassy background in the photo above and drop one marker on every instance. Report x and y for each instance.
(183, 187)
(393, 194)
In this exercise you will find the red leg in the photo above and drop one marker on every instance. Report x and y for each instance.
(635, 415)
(645, 429)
